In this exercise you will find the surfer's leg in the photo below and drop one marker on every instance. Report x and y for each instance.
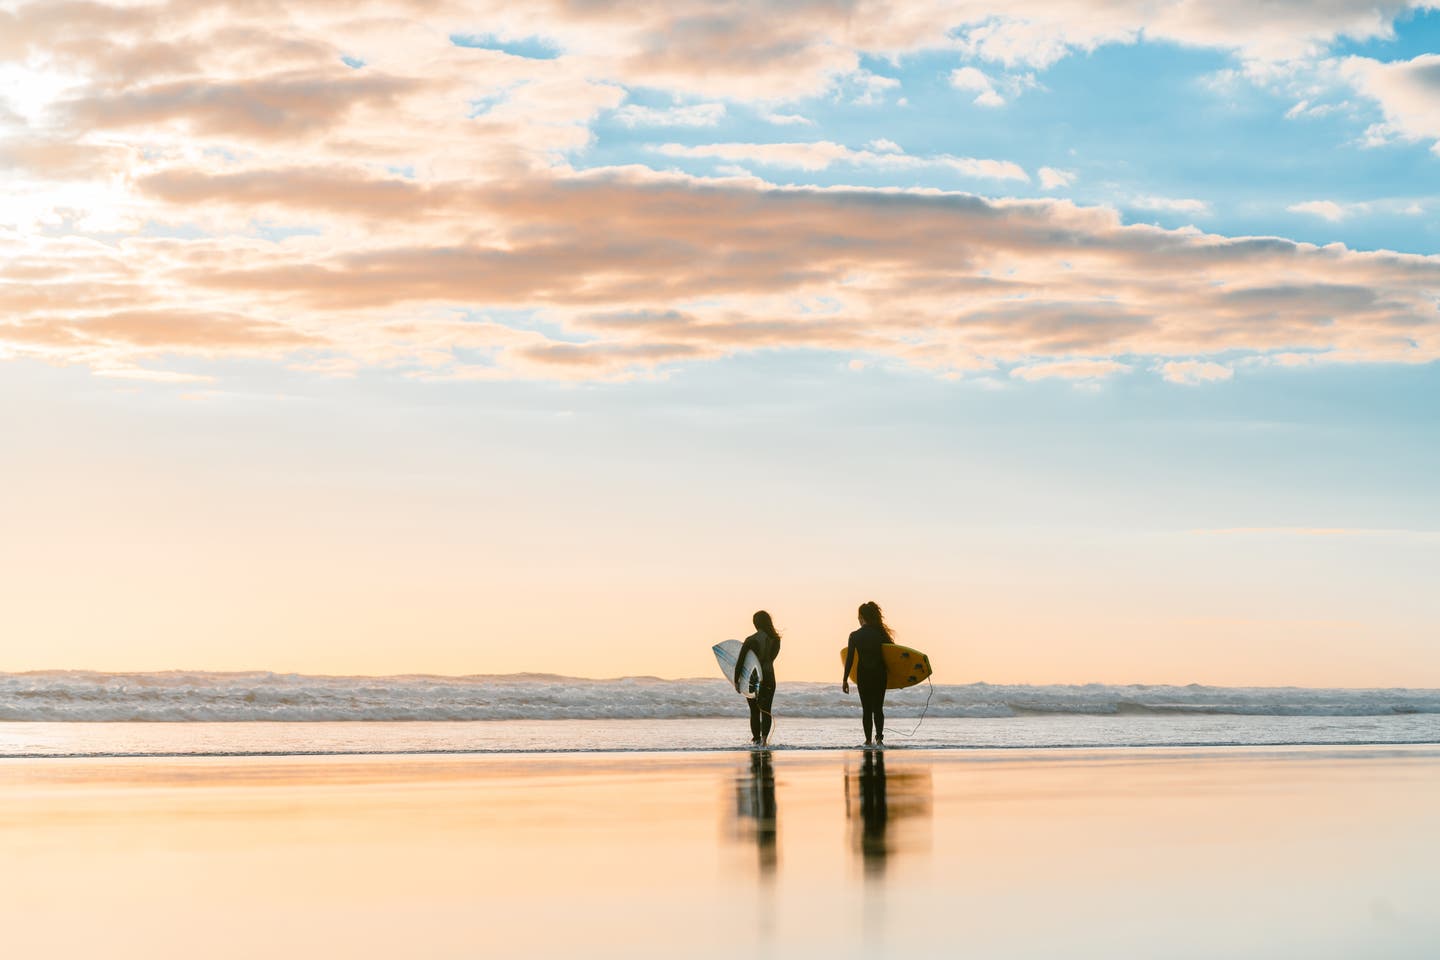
(878, 682)
(872, 701)
(765, 699)
(867, 713)
(754, 718)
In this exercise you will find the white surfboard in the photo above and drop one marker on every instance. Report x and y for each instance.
(726, 654)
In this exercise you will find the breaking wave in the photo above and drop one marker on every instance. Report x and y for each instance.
(179, 696)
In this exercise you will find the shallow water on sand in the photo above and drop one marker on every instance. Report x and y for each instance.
(1236, 852)
(694, 734)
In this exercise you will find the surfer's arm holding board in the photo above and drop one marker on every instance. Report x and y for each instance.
(850, 654)
(746, 647)
(767, 654)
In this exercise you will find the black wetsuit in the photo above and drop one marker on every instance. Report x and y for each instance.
(870, 675)
(766, 648)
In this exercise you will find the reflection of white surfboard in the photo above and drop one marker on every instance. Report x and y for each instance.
(726, 654)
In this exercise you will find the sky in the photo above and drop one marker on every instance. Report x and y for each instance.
(1095, 341)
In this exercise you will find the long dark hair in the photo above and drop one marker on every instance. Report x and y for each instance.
(871, 616)
(764, 624)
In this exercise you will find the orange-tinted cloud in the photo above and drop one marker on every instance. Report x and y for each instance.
(649, 269)
(340, 185)
(282, 107)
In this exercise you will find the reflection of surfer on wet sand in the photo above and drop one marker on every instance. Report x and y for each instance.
(884, 811)
(755, 812)
(873, 810)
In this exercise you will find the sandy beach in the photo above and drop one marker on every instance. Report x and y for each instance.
(1237, 852)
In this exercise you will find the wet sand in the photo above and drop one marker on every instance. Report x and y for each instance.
(1238, 852)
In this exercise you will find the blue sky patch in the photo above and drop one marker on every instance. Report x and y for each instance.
(531, 48)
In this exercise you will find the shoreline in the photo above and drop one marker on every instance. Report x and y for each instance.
(1339, 749)
(792, 735)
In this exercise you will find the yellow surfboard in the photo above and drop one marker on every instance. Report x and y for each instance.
(904, 666)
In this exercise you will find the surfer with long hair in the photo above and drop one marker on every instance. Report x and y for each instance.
(864, 654)
(765, 644)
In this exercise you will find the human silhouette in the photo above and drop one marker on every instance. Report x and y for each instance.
(865, 654)
(765, 644)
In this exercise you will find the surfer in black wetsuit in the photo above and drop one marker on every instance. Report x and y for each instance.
(865, 655)
(765, 643)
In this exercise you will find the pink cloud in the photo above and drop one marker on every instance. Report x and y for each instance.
(701, 268)
(1195, 371)
(433, 185)
(1070, 370)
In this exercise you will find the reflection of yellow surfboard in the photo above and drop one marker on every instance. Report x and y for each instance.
(904, 666)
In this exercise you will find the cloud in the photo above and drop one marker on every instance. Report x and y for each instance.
(870, 88)
(704, 48)
(815, 155)
(786, 119)
(976, 82)
(1408, 93)
(991, 91)
(1046, 32)
(274, 108)
(152, 376)
(336, 190)
(1051, 178)
(1171, 205)
(609, 357)
(1325, 209)
(658, 269)
(694, 115)
(1070, 370)
(1305, 108)
(1191, 372)
(823, 154)
(209, 180)
(47, 158)
(1336, 211)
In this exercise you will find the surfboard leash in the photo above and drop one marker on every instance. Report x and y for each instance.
(773, 727)
(912, 733)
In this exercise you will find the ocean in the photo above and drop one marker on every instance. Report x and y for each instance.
(81, 714)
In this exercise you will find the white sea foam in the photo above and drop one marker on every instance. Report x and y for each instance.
(196, 696)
